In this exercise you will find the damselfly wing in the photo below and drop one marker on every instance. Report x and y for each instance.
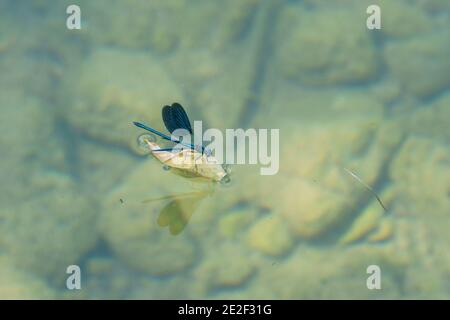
(175, 117)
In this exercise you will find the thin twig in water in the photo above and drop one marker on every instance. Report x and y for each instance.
(367, 187)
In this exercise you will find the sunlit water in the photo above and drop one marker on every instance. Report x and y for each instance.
(361, 114)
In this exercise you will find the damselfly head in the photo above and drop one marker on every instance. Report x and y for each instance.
(142, 142)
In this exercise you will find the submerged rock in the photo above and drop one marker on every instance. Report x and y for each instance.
(20, 285)
(373, 223)
(431, 121)
(100, 168)
(421, 241)
(435, 6)
(421, 63)
(234, 21)
(131, 228)
(368, 220)
(163, 26)
(233, 224)
(153, 24)
(343, 53)
(50, 230)
(286, 102)
(229, 265)
(384, 231)
(115, 88)
(421, 176)
(271, 236)
(46, 221)
(28, 138)
(328, 273)
(400, 19)
(312, 191)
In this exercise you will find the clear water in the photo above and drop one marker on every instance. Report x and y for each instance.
(77, 193)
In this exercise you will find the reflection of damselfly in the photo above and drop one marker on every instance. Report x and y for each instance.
(178, 211)
(186, 160)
